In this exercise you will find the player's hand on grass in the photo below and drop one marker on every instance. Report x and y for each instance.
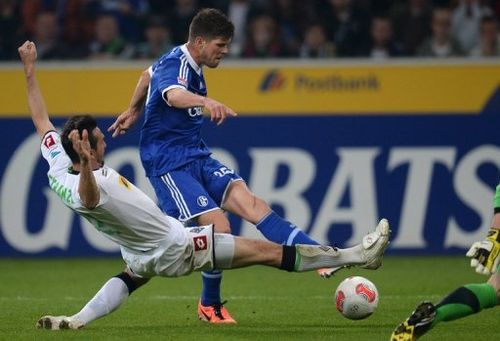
(81, 145)
(486, 254)
(218, 111)
(123, 122)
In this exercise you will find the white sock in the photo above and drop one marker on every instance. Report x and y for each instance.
(352, 255)
(113, 293)
(310, 257)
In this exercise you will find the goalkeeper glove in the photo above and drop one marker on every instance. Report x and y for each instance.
(486, 254)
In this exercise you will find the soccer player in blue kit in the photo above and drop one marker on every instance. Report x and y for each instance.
(190, 185)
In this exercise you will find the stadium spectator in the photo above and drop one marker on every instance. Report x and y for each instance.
(441, 43)
(292, 18)
(412, 23)
(347, 26)
(240, 13)
(128, 14)
(158, 40)
(346, 23)
(465, 22)
(489, 42)
(382, 45)
(263, 39)
(108, 43)
(180, 16)
(77, 27)
(10, 28)
(315, 43)
(46, 36)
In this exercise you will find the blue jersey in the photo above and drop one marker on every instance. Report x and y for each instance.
(171, 137)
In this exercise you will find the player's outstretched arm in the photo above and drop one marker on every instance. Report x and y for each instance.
(128, 118)
(181, 98)
(39, 115)
(87, 187)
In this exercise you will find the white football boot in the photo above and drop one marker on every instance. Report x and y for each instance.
(374, 245)
(58, 323)
(373, 248)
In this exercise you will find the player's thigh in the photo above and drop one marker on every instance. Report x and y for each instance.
(181, 196)
(217, 179)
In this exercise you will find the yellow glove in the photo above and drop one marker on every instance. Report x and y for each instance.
(486, 254)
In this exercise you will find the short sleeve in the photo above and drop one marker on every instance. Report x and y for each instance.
(172, 73)
(53, 151)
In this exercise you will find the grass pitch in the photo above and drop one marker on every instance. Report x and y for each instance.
(268, 304)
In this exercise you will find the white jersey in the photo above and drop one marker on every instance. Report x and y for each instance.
(124, 214)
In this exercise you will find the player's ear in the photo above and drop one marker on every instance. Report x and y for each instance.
(199, 42)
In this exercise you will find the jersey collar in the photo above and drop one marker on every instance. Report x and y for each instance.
(191, 60)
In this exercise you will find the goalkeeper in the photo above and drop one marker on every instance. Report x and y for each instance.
(468, 299)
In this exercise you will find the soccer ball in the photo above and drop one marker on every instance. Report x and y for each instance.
(356, 298)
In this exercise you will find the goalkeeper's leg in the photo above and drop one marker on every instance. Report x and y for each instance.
(464, 301)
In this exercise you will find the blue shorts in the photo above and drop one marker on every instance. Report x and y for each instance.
(193, 189)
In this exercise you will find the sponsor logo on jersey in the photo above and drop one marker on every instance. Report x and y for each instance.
(272, 81)
(196, 229)
(124, 182)
(202, 201)
(196, 111)
(200, 243)
(49, 141)
(54, 153)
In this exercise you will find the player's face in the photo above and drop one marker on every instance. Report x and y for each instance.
(100, 147)
(212, 51)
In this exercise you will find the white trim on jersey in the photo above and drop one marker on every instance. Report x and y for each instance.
(177, 196)
(174, 86)
(190, 59)
(184, 69)
(227, 188)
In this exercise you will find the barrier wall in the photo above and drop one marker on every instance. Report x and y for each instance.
(332, 147)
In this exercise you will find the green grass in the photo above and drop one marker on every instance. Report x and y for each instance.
(268, 304)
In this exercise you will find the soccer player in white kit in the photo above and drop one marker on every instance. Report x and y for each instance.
(153, 244)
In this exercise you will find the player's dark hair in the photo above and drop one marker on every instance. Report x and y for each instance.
(79, 122)
(210, 23)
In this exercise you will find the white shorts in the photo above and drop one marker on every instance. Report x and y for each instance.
(186, 250)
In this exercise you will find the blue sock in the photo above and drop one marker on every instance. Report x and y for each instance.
(280, 231)
(210, 293)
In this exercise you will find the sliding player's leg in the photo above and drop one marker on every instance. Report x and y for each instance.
(111, 295)
(235, 252)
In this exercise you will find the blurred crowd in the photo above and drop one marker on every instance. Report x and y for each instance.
(145, 29)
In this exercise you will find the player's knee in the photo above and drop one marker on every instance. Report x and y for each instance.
(221, 225)
(222, 228)
(131, 281)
